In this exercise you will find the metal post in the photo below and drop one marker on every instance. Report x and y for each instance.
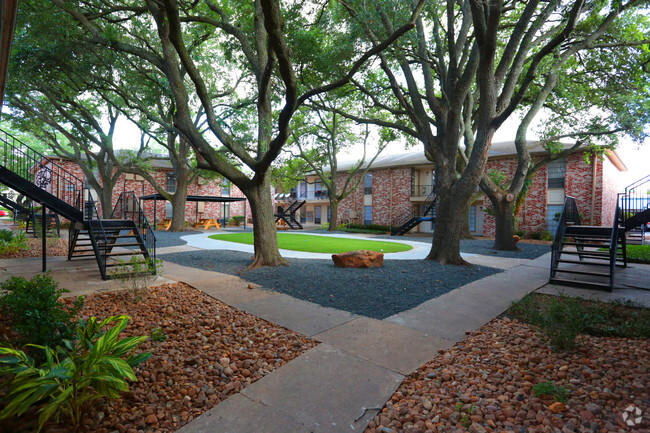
(223, 214)
(43, 233)
(155, 226)
(245, 217)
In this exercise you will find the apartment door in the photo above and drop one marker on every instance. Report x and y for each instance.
(317, 211)
(425, 182)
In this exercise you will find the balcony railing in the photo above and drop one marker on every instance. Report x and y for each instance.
(315, 195)
(421, 190)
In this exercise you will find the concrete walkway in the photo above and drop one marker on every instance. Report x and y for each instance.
(342, 383)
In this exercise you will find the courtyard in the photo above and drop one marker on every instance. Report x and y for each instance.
(382, 349)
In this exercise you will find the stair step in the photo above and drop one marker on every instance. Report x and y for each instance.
(595, 254)
(588, 284)
(588, 230)
(596, 274)
(577, 262)
(112, 265)
(583, 244)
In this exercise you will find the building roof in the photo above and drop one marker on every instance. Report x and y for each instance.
(204, 198)
(414, 157)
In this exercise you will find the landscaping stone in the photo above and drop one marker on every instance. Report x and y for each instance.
(486, 381)
(359, 259)
(207, 347)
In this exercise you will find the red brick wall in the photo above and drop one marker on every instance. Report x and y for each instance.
(391, 192)
(578, 184)
(533, 212)
(611, 181)
(140, 188)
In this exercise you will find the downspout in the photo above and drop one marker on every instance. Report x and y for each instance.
(593, 186)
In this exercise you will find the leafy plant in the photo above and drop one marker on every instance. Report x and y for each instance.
(12, 242)
(236, 220)
(35, 312)
(136, 274)
(157, 334)
(560, 393)
(72, 377)
(6, 235)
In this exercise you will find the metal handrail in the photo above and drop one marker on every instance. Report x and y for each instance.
(636, 198)
(414, 212)
(137, 215)
(40, 170)
(569, 216)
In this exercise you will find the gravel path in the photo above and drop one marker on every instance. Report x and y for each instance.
(376, 292)
(484, 385)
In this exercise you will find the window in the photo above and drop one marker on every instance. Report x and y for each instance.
(367, 214)
(317, 214)
(303, 189)
(556, 173)
(171, 182)
(225, 188)
(226, 212)
(367, 184)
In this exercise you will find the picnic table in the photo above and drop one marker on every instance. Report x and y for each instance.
(165, 224)
(206, 223)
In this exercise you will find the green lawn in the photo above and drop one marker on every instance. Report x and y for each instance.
(636, 253)
(318, 244)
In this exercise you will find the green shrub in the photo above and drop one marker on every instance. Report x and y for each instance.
(560, 393)
(136, 274)
(13, 242)
(561, 318)
(546, 236)
(535, 235)
(6, 235)
(74, 376)
(520, 233)
(35, 312)
(236, 220)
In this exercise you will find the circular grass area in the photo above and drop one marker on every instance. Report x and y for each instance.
(319, 244)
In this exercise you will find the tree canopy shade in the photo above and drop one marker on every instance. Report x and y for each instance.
(238, 63)
(468, 67)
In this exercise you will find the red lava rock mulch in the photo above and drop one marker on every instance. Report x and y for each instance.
(211, 351)
(55, 247)
(483, 384)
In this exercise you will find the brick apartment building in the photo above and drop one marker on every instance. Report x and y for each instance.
(398, 183)
(165, 176)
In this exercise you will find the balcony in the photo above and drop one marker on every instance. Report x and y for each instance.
(314, 195)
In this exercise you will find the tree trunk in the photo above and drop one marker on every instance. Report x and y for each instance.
(504, 226)
(334, 215)
(465, 231)
(178, 209)
(106, 199)
(449, 225)
(264, 232)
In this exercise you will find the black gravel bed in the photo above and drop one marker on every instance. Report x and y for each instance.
(375, 292)
(484, 246)
(172, 239)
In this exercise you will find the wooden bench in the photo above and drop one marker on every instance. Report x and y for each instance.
(165, 224)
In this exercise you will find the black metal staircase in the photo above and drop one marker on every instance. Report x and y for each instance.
(417, 214)
(592, 253)
(60, 191)
(288, 215)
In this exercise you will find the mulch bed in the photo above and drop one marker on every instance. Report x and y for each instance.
(483, 384)
(211, 351)
(55, 247)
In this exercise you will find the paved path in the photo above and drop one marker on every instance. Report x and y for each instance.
(340, 385)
